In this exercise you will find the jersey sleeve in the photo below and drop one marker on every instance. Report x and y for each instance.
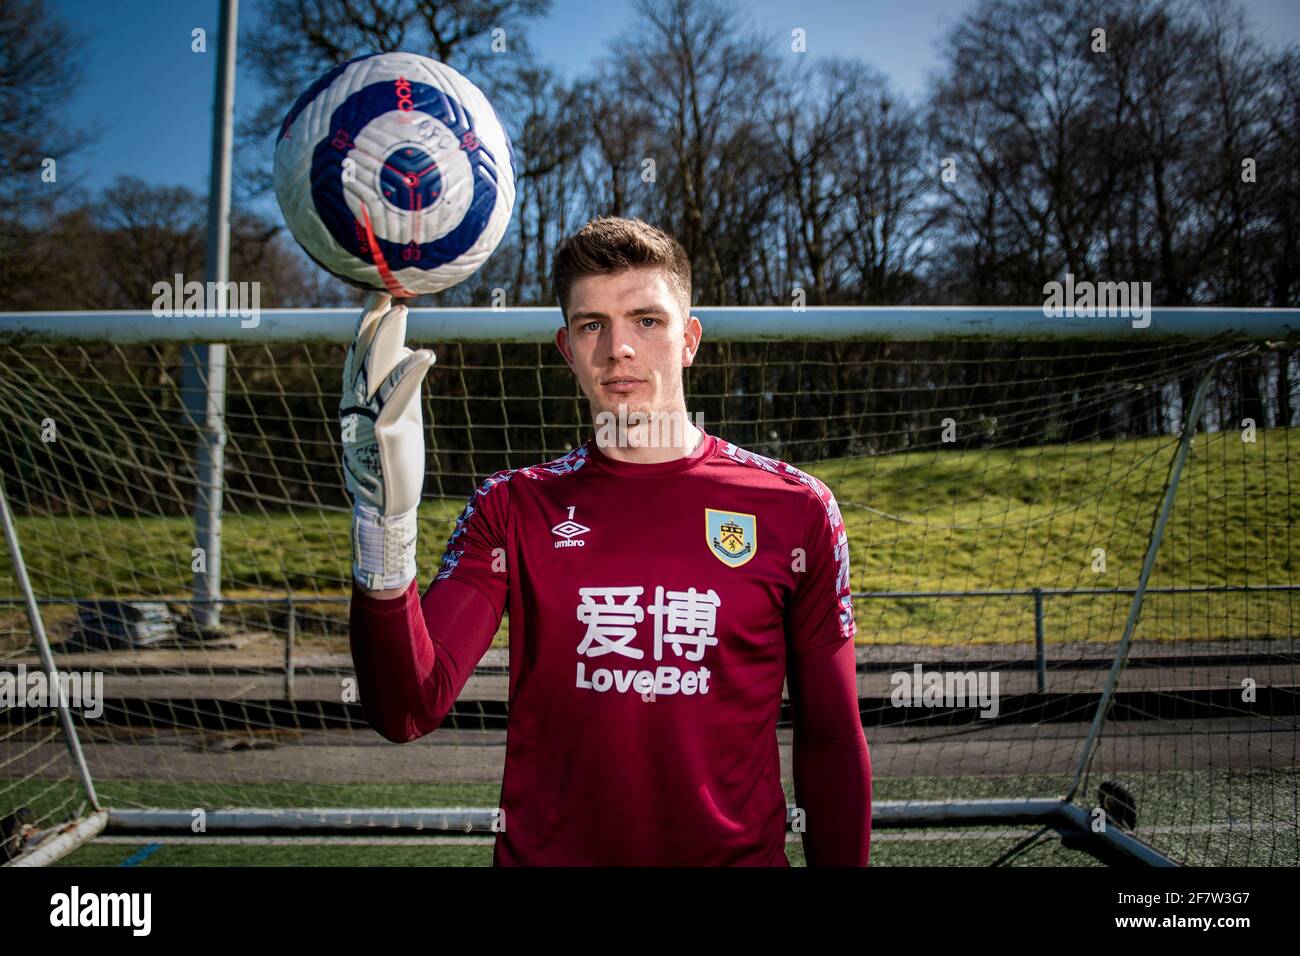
(476, 551)
(832, 764)
(820, 611)
(413, 656)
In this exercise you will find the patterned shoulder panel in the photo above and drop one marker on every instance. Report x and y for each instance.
(565, 465)
(776, 467)
(839, 535)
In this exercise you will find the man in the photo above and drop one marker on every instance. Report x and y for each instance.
(660, 587)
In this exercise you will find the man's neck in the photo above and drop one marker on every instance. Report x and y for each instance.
(647, 444)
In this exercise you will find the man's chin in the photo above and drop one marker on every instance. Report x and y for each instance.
(624, 410)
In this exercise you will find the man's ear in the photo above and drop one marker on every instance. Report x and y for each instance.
(562, 343)
(691, 340)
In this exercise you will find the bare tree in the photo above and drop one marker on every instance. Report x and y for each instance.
(890, 191)
(550, 155)
(40, 68)
(1035, 151)
(695, 70)
(810, 121)
(622, 139)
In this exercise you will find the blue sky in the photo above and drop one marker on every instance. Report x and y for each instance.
(152, 96)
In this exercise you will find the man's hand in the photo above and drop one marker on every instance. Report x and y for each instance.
(383, 444)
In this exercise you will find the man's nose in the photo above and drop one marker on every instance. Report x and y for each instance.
(619, 343)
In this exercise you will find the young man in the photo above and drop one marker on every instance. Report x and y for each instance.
(659, 592)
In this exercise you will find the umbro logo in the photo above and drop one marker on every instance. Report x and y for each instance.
(570, 530)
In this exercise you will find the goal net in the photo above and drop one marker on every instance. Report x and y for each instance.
(1000, 497)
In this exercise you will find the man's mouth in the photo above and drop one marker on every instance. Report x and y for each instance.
(621, 384)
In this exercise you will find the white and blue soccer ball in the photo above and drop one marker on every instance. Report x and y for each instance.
(394, 173)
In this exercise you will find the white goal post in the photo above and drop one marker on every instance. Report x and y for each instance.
(916, 323)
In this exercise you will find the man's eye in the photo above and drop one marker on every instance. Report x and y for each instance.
(589, 326)
(651, 320)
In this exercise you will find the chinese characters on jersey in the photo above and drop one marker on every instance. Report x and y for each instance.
(684, 621)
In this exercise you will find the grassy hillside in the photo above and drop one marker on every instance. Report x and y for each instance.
(933, 520)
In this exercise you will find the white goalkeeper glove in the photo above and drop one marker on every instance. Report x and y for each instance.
(383, 444)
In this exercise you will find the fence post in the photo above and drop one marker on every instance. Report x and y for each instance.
(290, 632)
(1040, 648)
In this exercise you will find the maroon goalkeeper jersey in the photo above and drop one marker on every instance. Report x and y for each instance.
(652, 608)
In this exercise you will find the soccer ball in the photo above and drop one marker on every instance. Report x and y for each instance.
(394, 173)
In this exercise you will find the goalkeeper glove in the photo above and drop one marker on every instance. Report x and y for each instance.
(383, 444)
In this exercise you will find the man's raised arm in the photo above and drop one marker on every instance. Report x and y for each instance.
(413, 656)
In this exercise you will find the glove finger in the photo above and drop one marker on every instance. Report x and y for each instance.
(387, 349)
(377, 303)
(402, 386)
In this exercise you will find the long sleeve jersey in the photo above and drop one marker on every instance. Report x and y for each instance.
(654, 612)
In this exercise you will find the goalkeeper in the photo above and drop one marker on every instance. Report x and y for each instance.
(659, 592)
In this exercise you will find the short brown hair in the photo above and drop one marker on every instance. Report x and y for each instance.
(611, 244)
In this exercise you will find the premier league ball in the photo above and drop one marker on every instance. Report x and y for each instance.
(394, 173)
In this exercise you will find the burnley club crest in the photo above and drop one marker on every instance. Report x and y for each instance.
(731, 536)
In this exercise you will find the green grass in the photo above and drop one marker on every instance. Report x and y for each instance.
(117, 854)
(1032, 518)
(934, 520)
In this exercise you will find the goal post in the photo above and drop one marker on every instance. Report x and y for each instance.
(1075, 591)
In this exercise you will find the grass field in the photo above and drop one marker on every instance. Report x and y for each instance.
(948, 520)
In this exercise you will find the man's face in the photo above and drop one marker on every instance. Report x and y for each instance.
(627, 340)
